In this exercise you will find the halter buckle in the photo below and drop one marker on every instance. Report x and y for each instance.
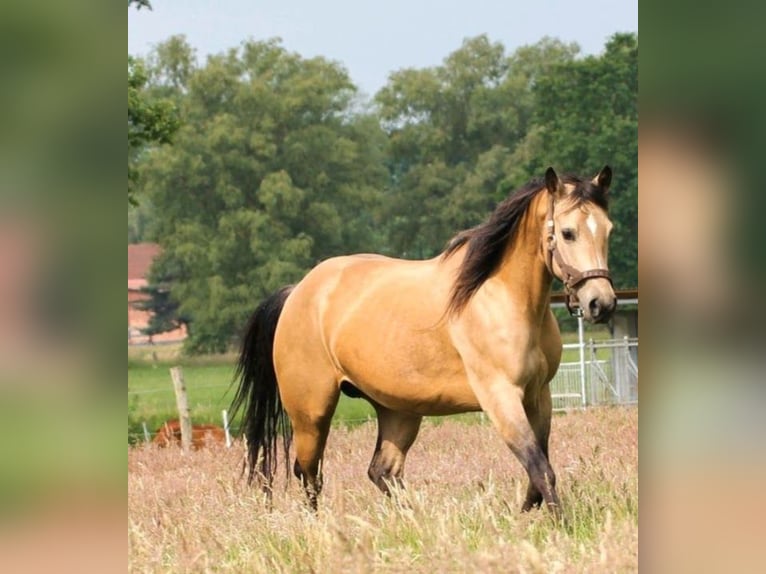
(551, 242)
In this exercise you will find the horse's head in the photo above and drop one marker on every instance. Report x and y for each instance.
(575, 242)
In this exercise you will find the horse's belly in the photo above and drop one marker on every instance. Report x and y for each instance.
(431, 399)
(435, 392)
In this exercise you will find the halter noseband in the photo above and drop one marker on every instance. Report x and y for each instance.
(572, 276)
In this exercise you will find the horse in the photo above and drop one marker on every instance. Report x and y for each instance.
(468, 330)
(202, 435)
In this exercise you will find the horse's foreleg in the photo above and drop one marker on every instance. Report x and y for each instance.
(396, 433)
(539, 414)
(502, 401)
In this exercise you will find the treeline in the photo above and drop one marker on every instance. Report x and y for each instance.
(279, 163)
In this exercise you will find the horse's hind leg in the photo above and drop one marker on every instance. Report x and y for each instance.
(396, 433)
(310, 430)
(539, 415)
(310, 441)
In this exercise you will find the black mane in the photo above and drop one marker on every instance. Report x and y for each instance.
(487, 241)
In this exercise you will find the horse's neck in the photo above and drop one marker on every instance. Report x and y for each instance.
(523, 270)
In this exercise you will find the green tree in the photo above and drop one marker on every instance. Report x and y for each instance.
(587, 115)
(270, 173)
(451, 129)
(150, 121)
(464, 134)
(140, 219)
(164, 308)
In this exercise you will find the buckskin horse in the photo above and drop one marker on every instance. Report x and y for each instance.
(468, 330)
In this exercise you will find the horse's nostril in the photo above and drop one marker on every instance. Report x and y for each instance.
(594, 306)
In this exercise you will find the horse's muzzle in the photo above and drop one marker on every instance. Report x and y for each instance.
(601, 309)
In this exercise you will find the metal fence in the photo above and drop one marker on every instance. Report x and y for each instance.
(606, 373)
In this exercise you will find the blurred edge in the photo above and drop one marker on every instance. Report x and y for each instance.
(62, 201)
(701, 238)
(62, 173)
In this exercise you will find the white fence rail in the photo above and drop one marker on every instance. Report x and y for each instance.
(606, 373)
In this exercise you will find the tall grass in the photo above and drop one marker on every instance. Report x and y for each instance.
(460, 512)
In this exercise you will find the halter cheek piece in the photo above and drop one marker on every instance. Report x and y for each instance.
(572, 276)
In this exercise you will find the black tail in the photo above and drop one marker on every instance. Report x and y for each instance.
(264, 419)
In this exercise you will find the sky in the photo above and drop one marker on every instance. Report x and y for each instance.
(373, 39)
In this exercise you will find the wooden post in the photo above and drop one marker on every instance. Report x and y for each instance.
(226, 427)
(581, 339)
(147, 436)
(177, 374)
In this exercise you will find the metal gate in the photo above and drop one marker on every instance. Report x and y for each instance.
(607, 373)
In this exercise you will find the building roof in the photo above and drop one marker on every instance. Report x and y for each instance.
(140, 257)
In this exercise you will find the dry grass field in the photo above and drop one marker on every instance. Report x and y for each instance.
(460, 512)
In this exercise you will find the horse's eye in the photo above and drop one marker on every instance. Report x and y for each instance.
(568, 234)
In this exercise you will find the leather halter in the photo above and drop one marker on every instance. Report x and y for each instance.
(572, 276)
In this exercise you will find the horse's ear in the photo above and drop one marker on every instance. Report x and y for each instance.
(552, 181)
(604, 178)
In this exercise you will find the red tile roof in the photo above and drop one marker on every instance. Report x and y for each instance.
(140, 257)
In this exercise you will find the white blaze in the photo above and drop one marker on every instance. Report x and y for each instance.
(591, 223)
(593, 226)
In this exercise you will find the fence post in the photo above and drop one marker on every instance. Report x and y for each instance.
(226, 427)
(581, 338)
(177, 374)
(623, 389)
(147, 437)
(593, 360)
